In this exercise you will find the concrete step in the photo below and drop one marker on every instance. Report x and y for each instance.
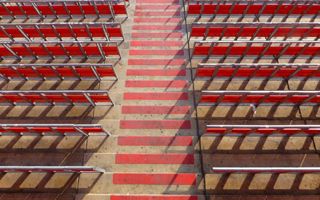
(162, 2)
(166, 110)
(138, 197)
(152, 52)
(152, 27)
(163, 63)
(155, 124)
(149, 43)
(156, 132)
(151, 96)
(177, 84)
(144, 13)
(143, 162)
(181, 179)
(163, 8)
(162, 20)
(140, 144)
(157, 35)
(169, 73)
(140, 183)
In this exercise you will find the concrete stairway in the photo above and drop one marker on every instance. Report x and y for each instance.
(152, 154)
(156, 109)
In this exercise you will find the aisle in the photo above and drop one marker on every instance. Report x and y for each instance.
(156, 126)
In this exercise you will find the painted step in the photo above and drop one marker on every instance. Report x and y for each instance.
(154, 179)
(158, 20)
(156, 27)
(158, 7)
(156, 110)
(143, 52)
(155, 124)
(149, 43)
(152, 62)
(141, 183)
(157, 13)
(156, 84)
(155, 140)
(157, 1)
(176, 35)
(90, 196)
(155, 96)
(156, 72)
(172, 158)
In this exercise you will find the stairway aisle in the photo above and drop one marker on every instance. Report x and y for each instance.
(157, 133)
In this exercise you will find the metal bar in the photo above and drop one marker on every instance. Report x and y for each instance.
(56, 169)
(246, 1)
(72, 1)
(58, 65)
(266, 169)
(297, 92)
(256, 64)
(230, 126)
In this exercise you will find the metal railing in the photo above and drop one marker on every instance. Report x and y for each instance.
(50, 129)
(55, 97)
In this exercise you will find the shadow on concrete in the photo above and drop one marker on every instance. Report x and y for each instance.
(59, 113)
(264, 183)
(41, 182)
(47, 143)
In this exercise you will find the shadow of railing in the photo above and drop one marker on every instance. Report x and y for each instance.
(42, 182)
(51, 144)
(258, 144)
(264, 183)
(59, 113)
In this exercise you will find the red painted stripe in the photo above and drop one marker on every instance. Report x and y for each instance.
(158, 7)
(155, 124)
(157, 35)
(154, 179)
(149, 43)
(165, 62)
(155, 96)
(157, 13)
(155, 109)
(143, 52)
(157, 20)
(172, 158)
(153, 197)
(155, 140)
(157, 1)
(156, 84)
(156, 72)
(157, 27)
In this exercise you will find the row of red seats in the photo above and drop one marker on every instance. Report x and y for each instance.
(259, 97)
(57, 71)
(109, 31)
(258, 29)
(60, 9)
(56, 97)
(258, 70)
(256, 48)
(53, 49)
